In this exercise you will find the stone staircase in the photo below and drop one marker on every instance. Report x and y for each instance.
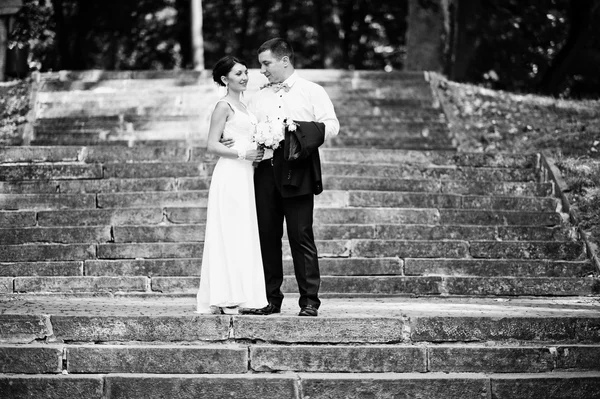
(445, 274)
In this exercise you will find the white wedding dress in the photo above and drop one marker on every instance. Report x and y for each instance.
(232, 272)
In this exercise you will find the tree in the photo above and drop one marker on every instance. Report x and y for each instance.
(464, 37)
(583, 17)
(197, 39)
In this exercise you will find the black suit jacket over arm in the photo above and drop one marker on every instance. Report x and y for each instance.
(297, 164)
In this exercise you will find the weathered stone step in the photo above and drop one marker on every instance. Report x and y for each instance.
(98, 75)
(321, 75)
(114, 99)
(398, 129)
(346, 231)
(360, 110)
(343, 111)
(263, 358)
(108, 319)
(426, 200)
(47, 201)
(399, 103)
(73, 171)
(74, 123)
(497, 267)
(328, 266)
(416, 90)
(517, 189)
(315, 385)
(355, 286)
(329, 199)
(107, 85)
(192, 215)
(125, 91)
(520, 189)
(400, 142)
(18, 172)
(173, 151)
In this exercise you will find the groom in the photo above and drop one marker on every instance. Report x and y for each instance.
(279, 195)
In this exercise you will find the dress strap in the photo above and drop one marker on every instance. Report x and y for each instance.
(228, 103)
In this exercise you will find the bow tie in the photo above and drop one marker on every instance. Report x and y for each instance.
(278, 86)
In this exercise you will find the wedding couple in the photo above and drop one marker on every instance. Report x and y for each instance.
(253, 190)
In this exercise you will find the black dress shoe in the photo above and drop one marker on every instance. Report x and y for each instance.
(308, 310)
(267, 310)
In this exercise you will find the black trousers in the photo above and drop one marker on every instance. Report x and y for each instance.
(271, 209)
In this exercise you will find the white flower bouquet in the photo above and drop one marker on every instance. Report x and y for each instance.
(270, 133)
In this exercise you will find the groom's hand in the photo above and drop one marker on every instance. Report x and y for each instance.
(227, 142)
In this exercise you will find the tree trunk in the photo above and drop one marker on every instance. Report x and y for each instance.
(338, 18)
(359, 53)
(426, 35)
(62, 36)
(244, 23)
(464, 37)
(347, 21)
(582, 14)
(79, 51)
(320, 26)
(3, 46)
(284, 19)
(197, 38)
(183, 32)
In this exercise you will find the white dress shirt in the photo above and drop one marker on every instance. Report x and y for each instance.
(305, 101)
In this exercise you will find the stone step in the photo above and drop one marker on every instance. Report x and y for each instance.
(191, 215)
(340, 183)
(123, 84)
(98, 75)
(424, 143)
(126, 91)
(169, 125)
(336, 286)
(329, 199)
(497, 267)
(346, 231)
(343, 111)
(400, 320)
(181, 152)
(153, 170)
(554, 385)
(329, 267)
(119, 121)
(321, 75)
(106, 138)
(268, 358)
(361, 248)
(182, 103)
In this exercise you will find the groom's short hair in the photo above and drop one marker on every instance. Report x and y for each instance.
(279, 48)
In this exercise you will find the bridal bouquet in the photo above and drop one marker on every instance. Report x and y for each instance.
(269, 133)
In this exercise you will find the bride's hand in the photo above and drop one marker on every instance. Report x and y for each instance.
(254, 155)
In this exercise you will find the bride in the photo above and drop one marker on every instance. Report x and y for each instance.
(232, 274)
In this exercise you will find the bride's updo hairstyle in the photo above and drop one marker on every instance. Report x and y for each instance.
(223, 67)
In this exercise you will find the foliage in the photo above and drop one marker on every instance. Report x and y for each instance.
(14, 106)
(582, 176)
(516, 43)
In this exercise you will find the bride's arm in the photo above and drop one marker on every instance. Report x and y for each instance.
(215, 131)
(217, 124)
